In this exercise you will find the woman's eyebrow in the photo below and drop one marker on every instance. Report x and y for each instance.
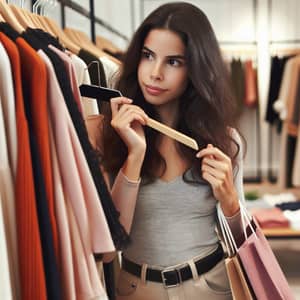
(175, 56)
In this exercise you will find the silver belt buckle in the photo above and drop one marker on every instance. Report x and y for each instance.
(164, 279)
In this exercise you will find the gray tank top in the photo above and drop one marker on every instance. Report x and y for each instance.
(173, 222)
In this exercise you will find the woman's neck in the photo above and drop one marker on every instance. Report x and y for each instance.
(168, 112)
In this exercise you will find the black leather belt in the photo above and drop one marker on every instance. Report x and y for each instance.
(173, 277)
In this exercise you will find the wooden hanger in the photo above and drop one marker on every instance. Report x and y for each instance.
(1, 18)
(104, 43)
(284, 51)
(21, 16)
(63, 38)
(9, 17)
(83, 41)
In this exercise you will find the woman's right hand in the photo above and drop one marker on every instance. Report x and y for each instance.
(127, 120)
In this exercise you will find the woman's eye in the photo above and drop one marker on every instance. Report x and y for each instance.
(174, 62)
(147, 55)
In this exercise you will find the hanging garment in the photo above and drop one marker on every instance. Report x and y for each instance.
(118, 233)
(277, 68)
(8, 107)
(251, 97)
(286, 97)
(71, 75)
(6, 291)
(66, 255)
(90, 107)
(32, 276)
(32, 95)
(78, 187)
(238, 84)
(7, 180)
(111, 70)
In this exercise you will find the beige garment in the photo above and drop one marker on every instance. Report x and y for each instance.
(296, 172)
(66, 266)
(287, 95)
(111, 70)
(213, 285)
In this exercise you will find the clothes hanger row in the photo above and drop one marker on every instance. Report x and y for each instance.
(81, 38)
(21, 19)
(105, 94)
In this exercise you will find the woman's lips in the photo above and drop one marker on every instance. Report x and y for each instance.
(153, 90)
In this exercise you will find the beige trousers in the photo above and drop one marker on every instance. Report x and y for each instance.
(213, 285)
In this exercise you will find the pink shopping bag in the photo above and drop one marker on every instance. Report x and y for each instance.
(262, 268)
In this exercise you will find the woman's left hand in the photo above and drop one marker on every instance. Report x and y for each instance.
(217, 170)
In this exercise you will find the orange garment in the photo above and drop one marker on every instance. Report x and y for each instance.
(39, 116)
(32, 275)
(251, 96)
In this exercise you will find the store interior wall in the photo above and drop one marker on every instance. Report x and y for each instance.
(261, 21)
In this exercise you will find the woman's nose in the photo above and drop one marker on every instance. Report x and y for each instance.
(156, 72)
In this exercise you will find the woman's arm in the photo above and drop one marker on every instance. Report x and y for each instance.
(226, 183)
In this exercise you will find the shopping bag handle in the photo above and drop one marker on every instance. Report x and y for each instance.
(226, 231)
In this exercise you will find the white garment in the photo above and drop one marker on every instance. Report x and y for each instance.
(90, 106)
(5, 281)
(294, 218)
(8, 161)
(8, 107)
(111, 70)
(279, 198)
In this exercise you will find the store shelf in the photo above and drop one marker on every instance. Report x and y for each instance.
(281, 233)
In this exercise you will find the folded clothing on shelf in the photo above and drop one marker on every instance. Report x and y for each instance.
(289, 205)
(270, 218)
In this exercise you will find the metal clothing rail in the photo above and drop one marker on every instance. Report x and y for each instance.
(289, 41)
(90, 14)
(242, 43)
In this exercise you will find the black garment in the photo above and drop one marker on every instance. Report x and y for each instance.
(238, 84)
(118, 54)
(290, 158)
(53, 281)
(53, 285)
(109, 277)
(277, 68)
(118, 233)
(88, 58)
(47, 39)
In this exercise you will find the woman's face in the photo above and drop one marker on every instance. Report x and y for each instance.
(162, 71)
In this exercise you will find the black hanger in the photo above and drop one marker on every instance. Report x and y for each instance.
(98, 92)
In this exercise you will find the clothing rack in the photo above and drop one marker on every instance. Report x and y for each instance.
(90, 14)
(271, 177)
(258, 177)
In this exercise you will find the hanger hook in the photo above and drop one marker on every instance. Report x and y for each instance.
(34, 7)
(98, 69)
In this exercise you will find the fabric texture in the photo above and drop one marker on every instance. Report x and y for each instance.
(32, 277)
(7, 52)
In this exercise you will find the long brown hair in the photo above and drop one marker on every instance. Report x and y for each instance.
(206, 107)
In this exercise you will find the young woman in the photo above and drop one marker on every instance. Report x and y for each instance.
(167, 193)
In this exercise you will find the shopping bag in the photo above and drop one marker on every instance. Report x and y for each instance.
(240, 287)
(259, 262)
